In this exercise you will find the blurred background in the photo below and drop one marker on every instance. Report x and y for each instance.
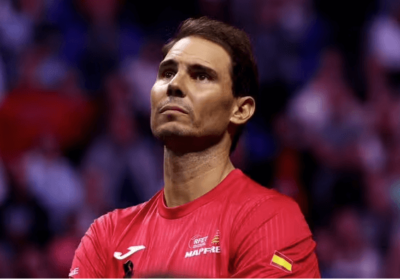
(75, 142)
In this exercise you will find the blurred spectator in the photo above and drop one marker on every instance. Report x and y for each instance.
(53, 181)
(330, 119)
(384, 39)
(326, 251)
(288, 37)
(355, 257)
(16, 33)
(126, 161)
(140, 74)
(31, 262)
(107, 38)
(379, 216)
(27, 114)
(287, 177)
(41, 66)
(61, 249)
(24, 220)
(96, 200)
(16, 27)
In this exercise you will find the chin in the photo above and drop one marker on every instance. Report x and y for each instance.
(178, 139)
(170, 132)
(184, 141)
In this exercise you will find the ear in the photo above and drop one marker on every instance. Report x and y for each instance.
(243, 110)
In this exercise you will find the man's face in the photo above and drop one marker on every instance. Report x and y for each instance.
(192, 96)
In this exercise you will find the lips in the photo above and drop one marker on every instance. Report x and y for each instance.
(173, 108)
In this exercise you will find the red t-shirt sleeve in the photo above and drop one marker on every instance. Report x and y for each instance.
(272, 239)
(91, 255)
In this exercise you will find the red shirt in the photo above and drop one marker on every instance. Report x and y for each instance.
(238, 229)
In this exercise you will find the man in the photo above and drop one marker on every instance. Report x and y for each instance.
(210, 220)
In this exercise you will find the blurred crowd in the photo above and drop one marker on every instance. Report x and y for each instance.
(75, 141)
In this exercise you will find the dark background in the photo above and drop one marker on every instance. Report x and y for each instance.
(75, 142)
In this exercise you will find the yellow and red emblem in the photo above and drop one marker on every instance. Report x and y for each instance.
(215, 240)
(280, 261)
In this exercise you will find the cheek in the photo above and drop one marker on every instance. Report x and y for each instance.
(153, 95)
(156, 94)
(214, 112)
(155, 98)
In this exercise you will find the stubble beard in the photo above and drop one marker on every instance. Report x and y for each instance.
(175, 138)
(182, 141)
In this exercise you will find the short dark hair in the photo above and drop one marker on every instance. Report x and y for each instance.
(244, 72)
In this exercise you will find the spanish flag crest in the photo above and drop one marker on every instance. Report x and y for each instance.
(282, 262)
(215, 240)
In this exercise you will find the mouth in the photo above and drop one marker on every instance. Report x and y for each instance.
(173, 108)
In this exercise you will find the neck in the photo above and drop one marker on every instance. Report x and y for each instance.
(190, 175)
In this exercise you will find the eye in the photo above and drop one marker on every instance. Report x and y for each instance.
(168, 74)
(202, 77)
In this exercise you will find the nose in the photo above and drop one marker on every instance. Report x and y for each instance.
(176, 87)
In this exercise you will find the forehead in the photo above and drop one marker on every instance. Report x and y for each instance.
(196, 50)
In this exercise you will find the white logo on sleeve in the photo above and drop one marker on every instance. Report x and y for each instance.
(132, 250)
(74, 272)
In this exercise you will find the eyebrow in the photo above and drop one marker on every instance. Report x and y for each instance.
(168, 63)
(192, 67)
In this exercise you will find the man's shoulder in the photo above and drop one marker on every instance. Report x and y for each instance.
(124, 216)
(256, 202)
(256, 206)
(251, 192)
